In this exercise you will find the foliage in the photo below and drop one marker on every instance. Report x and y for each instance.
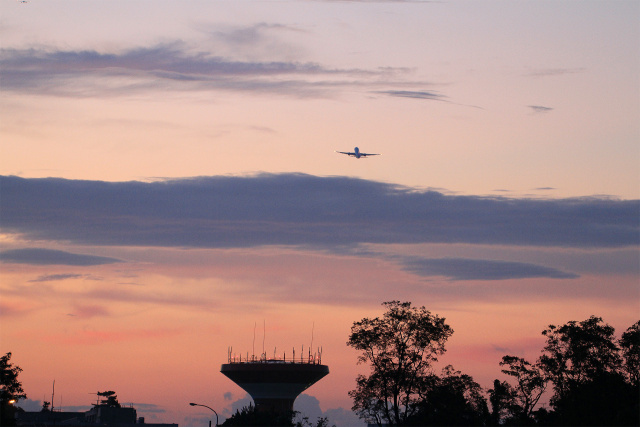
(305, 422)
(400, 348)
(630, 346)
(453, 399)
(585, 365)
(530, 386)
(606, 399)
(250, 416)
(594, 378)
(10, 390)
(576, 352)
(502, 398)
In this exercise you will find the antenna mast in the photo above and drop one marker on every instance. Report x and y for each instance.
(53, 393)
(253, 351)
(313, 326)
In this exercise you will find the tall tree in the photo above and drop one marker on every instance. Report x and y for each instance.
(577, 352)
(630, 346)
(453, 399)
(502, 398)
(400, 348)
(583, 362)
(10, 390)
(530, 385)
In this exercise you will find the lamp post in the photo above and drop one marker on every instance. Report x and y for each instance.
(197, 404)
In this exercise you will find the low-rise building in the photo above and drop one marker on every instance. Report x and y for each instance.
(107, 412)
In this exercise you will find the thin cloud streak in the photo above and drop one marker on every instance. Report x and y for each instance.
(56, 277)
(301, 210)
(39, 256)
(413, 94)
(539, 109)
(551, 72)
(480, 269)
(173, 66)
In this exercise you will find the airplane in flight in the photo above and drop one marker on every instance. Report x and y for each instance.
(356, 153)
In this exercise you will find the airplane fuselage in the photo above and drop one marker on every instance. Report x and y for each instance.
(356, 153)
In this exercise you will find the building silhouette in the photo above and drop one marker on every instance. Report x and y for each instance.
(107, 412)
(274, 384)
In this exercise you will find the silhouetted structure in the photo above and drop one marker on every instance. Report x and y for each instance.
(106, 412)
(274, 384)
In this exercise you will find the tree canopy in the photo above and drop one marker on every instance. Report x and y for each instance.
(10, 390)
(591, 377)
(400, 347)
(594, 378)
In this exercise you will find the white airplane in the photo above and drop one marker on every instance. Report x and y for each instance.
(356, 153)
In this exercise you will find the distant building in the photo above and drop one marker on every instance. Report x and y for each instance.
(48, 418)
(106, 412)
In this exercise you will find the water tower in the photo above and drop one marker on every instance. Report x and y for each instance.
(274, 384)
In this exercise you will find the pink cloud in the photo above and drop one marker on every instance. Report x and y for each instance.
(11, 308)
(89, 311)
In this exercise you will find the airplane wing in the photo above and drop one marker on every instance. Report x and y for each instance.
(369, 154)
(347, 153)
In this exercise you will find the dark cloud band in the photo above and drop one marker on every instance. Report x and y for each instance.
(171, 66)
(38, 256)
(298, 209)
(479, 269)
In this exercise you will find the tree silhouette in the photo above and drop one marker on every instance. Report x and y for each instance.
(577, 352)
(400, 348)
(530, 385)
(630, 346)
(10, 390)
(502, 398)
(453, 399)
(585, 365)
(594, 378)
(249, 416)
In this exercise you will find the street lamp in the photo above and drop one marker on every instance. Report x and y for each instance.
(197, 404)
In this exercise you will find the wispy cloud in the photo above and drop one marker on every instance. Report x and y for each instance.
(56, 277)
(413, 94)
(174, 66)
(257, 40)
(89, 311)
(540, 109)
(480, 269)
(550, 72)
(295, 209)
(39, 256)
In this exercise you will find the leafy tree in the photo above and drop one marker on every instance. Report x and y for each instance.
(502, 398)
(10, 390)
(453, 399)
(604, 400)
(630, 346)
(577, 352)
(583, 362)
(530, 386)
(305, 422)
(400, 348)
(250, 416)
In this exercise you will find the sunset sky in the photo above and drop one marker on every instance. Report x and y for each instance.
(170, 186)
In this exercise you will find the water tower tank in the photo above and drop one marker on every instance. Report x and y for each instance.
(274, 384)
